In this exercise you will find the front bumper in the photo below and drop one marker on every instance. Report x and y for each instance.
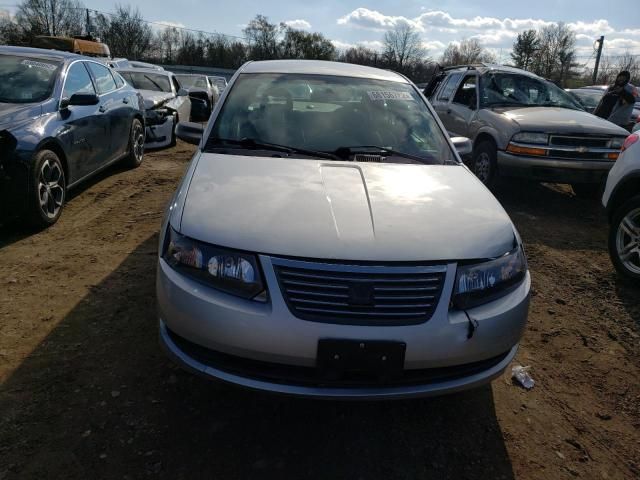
(195, 319)
(554, 170)
(159, 131)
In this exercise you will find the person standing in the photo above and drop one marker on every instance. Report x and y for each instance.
(617, 103)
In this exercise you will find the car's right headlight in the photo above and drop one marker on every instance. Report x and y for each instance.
(480, 283)
(531, 137)
(230, 271)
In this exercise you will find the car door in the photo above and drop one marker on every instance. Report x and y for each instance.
(114, 105)
(464, 106)
(85, 127)
(183, 103)
(444, 95)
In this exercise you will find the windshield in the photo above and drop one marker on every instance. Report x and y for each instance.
(26, 80)
(498, 89)
(589, 98)
(148, 81)
(331, 114)
(191, 81)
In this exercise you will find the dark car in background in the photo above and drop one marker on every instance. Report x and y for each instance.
(590, 96)
(63, 117)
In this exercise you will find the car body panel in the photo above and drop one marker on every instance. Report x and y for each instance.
(626, 167)
(324, 209)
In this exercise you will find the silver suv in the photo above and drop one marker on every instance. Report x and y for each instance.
(523, 125)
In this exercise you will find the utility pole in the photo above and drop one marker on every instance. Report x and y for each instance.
(88, 23)
(595, 70)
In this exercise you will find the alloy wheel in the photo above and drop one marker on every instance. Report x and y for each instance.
(138, 142)
(628, 241)
(51, 188)
(482, 167)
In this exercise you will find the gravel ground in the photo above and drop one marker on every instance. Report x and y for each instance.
(85, 391)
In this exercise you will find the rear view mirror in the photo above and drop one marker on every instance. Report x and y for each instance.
(190, 132)
(462, 145)
(80, 99)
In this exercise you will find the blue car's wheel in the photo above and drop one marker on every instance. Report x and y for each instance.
(48, 189)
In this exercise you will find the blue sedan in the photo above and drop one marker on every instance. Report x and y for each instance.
(63, 118)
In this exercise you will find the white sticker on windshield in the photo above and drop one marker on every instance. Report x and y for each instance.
(381, 95)
(32, 63)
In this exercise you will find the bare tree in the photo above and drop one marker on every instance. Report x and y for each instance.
(403, 46)
(50, 17)
(469, 51)
(126, 33)
(263, 38)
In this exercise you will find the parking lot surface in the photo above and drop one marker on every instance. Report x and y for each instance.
(85, 391)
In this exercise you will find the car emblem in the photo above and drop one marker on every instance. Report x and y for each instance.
(361, 294)
(582, 149)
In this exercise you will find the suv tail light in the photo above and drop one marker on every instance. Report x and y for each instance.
(631, 139)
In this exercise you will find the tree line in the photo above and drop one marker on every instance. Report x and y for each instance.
(549, 52)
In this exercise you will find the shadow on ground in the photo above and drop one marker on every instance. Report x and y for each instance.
(97, 399)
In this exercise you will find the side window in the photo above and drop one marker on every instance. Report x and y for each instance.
(449, 86)
(104, 80)
(118, 79)
(466, 94)
(176, 85)
(78, 81)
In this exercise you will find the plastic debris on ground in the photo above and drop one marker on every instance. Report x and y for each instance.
(521, 375)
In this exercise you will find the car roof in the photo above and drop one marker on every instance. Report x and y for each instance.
(43, 53)
(321, 67)
(483, 68)
(143, 70)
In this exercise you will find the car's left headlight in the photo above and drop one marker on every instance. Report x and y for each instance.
(617, 142)
(483, 282)
(230, 271)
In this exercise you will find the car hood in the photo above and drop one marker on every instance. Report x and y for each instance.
(153, 98)
(343, 211)
(15, 113)
(561, 120)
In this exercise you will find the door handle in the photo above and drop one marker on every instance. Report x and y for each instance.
(125, 100)
(102, 109)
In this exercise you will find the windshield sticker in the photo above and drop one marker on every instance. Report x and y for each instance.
(380, 95)
(46, 66)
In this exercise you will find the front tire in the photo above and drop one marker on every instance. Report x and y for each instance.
(136, 144)
(484, 163)
(624, 239)
(48, 189)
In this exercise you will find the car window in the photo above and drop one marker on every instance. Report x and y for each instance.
(118, 79)
(104, 80)
(77, 81)
(25, 79)
(505, 89)
(176, 84)
(467, 93)
(156, 82)
(449, 86)
(190, 81)
(326, 113)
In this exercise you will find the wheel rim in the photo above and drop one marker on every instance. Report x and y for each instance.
(628, 241)
(51, 188)
(138, 142)
(482, 167)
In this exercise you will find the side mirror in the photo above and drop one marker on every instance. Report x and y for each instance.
(190, 132)
(183, 92)
(462, 145)
(80, 99)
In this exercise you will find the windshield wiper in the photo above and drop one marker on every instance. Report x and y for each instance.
(345, 152)
(253, 144)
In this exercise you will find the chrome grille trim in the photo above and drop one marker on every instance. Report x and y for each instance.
(394, 294)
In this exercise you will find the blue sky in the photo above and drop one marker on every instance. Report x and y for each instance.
(439, 22)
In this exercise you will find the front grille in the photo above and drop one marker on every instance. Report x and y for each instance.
(360, 294)
(578, 155)
(578, 141)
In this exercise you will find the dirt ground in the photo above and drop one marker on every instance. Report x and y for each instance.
(85, 391)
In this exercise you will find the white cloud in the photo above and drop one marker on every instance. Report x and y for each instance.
(342, 45)
(169, 23)
(298, 24)
(374, 20)
(370, 44)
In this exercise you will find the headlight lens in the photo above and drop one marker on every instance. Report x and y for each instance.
(483, 282)
(232, 272)
(530, 137)
(617, 142)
